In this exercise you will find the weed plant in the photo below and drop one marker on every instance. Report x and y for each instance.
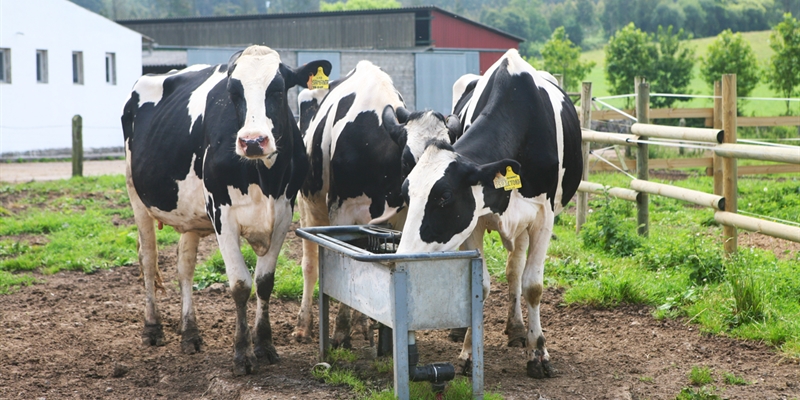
(699, 376)
(704, 393)
(732, 379)
(611, 229)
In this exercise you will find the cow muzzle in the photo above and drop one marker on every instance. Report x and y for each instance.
(255, 146)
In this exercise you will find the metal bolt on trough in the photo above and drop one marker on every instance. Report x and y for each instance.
(406, 292)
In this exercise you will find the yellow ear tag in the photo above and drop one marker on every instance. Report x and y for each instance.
(318, 81)
(509, 182)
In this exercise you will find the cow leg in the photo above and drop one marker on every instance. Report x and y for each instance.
(240, 282)
(153, 333)
(532, 288)
(515, 264)
(475, 241)
(187, 259)
(341, 329)
(309, 216)
(264, 349)
(360, 324)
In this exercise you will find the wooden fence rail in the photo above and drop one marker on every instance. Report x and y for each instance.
(705, 113)
(702, 162)
(724, 147)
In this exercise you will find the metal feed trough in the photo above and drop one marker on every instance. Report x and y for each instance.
(407, 292)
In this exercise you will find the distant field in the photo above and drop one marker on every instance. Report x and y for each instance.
(759, 43)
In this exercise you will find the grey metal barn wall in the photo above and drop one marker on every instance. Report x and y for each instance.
(393, 31)
(399, 65)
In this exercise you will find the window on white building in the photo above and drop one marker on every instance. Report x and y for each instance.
(41, 66)
(111, 68)
(5, 65)
(77, 67)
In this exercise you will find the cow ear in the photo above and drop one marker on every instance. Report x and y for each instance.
(300, 76)
(393, 127)
(453, 127)
(232, 61)
(485, 174)
(402, 115)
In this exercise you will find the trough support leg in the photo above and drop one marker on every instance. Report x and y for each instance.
(324, 303)
(400, 332)
(477, 329)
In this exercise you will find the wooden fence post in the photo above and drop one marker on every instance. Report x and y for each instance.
(717, 163)
(560, 79)
(586, 122)
(643, 117)
(729, 168)
(77, 146)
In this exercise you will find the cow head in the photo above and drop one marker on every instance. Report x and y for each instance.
(413, 131)
(446, 194)
(257, 85)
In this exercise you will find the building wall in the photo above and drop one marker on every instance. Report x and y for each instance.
(382, 31)
(36, 116)
(449, 32)
(399, 65)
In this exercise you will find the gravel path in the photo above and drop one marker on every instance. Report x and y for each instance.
(48, 171)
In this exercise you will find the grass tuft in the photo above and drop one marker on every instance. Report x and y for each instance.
(732, 379)
(699, 376)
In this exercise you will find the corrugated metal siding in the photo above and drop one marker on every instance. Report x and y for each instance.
(436, 73)
(390, 31)
(450, 32)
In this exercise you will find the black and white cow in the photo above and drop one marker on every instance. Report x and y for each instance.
(216, 149)
(361, 143)
(514, 117)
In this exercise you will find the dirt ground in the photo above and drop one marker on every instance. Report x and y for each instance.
(77, 336)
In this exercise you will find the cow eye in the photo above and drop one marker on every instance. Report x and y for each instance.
(445, 198)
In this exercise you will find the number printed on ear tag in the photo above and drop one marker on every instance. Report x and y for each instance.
(508, 182)
(318, 81)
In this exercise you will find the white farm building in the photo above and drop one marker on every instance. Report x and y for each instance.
(57, 60)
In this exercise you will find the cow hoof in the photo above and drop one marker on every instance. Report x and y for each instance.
(517, 335)
(457, 334)
(466, 368)
(244, 365)
(153, 335)
(539, 369)
(191, 341)
(267, 353)
(300, 335)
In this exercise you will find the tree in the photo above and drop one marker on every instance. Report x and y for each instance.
(585, 12)
(731, 54)
(507, 20)
(561, 56)
(358, 5)
(783, 70)
(629, 53)
(673, 67)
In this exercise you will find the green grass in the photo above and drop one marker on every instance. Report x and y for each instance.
(704, 393)
(288, 273)
(10, 282)
(68, 225)
(757, 40)
(732, 379)
(680, 269)
(699, 376)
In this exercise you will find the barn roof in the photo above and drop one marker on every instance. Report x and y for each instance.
(421, 12)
